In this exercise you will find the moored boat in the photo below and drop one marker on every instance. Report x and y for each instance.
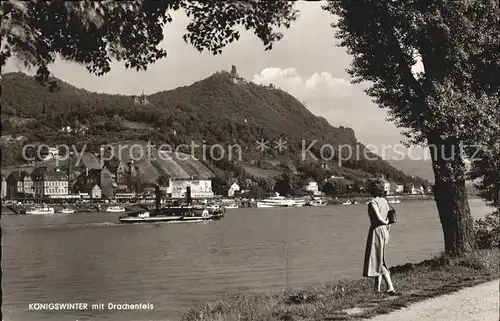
(67, 211)
(276, 201)
(317, 202)
(298, 202)
(40, 211)
(115, 209)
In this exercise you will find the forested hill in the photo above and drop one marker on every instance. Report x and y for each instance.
(214, 109)
(222, 108)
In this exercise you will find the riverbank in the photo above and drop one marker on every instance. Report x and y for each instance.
(361, 199)
(354, 299)
(78, 208)
(19, 209)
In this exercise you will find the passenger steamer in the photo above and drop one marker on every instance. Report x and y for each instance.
(175, 213)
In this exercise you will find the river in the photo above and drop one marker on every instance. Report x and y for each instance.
(90, 258)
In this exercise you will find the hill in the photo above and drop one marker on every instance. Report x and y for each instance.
(421, 168)
(220, 110)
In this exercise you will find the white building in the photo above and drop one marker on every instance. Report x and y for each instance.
(417, 190)
(312, 187)
(233, 189)
(199, 188)
(66, 129)
(387, 185)
(28, 185)
(96, 192)
(400, 189)
(49, 183)
(52, 154)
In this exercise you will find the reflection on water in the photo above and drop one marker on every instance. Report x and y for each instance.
(90, 258)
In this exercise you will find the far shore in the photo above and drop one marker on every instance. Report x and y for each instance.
(93, 207)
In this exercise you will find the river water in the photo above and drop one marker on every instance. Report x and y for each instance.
(90, 258)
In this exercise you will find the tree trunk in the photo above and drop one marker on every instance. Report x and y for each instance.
(451, 198)
(455, 216)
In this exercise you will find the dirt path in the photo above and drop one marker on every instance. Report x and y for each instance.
(479, 303)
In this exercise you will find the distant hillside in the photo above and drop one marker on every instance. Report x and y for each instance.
(421, 168)
(221, 109)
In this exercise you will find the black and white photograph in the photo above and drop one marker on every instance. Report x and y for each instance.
(260, 160)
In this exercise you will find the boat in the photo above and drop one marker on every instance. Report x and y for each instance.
(318, 202)
(394, 201)
(174, 214)
(40, 211)
(348, 202)
(298, 202)
(276, 201)
(115, 209)
(212, 207)
(67, 211)
(233, 205)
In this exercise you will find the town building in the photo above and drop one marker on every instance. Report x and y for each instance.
(420, 190)
(338, 185)
(76, 129)
(98, 183)
(233, 189)
(15, 184)
(141, 100)
(325, 166)
(121, 177)
(387, 185)
(125, 174)
(400, 189)
(48, 183)
(12, 138)
(28, 189)
(4, 187)
(53, 153)
(199, 188)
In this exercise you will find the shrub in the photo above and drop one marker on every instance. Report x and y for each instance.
(487, 231)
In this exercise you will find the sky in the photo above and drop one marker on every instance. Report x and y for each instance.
(306, 63)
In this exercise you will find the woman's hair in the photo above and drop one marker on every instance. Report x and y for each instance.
(376, 188)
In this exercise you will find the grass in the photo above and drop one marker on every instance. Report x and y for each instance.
(354, 299)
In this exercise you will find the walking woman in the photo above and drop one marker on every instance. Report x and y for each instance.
(378, 237)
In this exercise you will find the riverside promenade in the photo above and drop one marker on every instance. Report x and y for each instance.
(478, 303)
